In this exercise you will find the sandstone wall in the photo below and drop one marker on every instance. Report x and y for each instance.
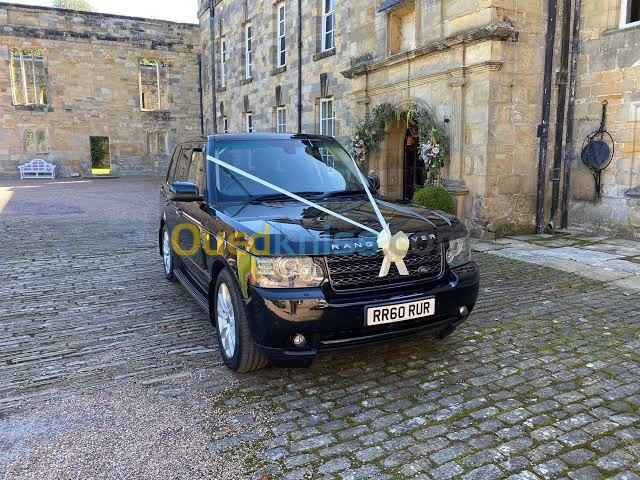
(609, 70)
(92, 63)
(230, 23)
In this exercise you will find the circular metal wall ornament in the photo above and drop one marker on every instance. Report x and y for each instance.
(598, 150)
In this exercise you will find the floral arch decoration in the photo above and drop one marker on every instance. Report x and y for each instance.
(370, 131)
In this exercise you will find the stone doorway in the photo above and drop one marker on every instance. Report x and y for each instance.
(398, 163)
(100, 155)
(415, 172)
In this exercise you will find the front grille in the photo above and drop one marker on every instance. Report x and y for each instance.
(350, 272)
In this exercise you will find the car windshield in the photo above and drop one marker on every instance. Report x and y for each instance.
(307, 167)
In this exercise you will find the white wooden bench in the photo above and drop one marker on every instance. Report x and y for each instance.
(37, 168)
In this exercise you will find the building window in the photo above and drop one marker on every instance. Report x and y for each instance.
(28, 77)
(282, 42)
(225, 125)
(248, 52)
(223, 62)
(35, 141)
(281, 119)
(248, 122)
(157, 143)
(629, 13)
(327, 117)
(153, 85)
(401, 29)
(328, 24)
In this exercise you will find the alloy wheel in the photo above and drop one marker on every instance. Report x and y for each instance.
(226, 321)
(166, 252)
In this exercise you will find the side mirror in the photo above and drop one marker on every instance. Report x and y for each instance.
(374, 181)
(184, 192)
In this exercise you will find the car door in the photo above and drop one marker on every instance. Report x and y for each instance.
(169, 207)
(192, 214)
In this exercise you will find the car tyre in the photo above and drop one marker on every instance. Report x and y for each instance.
(237, 347)
(169, 258)
(445, 332)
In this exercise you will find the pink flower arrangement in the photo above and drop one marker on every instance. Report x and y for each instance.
(359, 148)
(429, 151)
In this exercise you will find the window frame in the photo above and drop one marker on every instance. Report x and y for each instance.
(326, 101)
(185, 156)
(37, 133)
(34, 53)
(158, 63)
(248, 52)
(282, 124)
(325, 32)
(158, 138)
(223, 62)
(175, 159)
(200, 181)
(248, 122)
(281, 47)
(625, 13)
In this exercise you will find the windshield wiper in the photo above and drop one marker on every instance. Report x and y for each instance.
(280, 196)
(342, 193)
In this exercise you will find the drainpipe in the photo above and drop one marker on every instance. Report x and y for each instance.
(214, 98)
(200, 93)
(299, 66)
(570, 150)
(561, 81)
(543, 128)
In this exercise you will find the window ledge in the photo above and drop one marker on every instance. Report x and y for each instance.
(325, 54)
(629, 27)
(157, 114)
(278, 70)
(633, 192)
(246, 81)
(33, 108)
(221, 89)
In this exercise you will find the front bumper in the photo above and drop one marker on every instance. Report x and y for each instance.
(330, 321)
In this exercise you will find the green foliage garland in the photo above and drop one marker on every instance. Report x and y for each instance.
(370, 131)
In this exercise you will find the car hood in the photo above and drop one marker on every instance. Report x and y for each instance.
(294, 228)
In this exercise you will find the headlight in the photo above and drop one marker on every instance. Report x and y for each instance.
(459, 252)
(286, 272)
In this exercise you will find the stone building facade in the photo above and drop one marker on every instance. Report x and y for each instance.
(131, 83)
(476, 65)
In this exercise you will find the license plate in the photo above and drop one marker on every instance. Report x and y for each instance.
(401, 312)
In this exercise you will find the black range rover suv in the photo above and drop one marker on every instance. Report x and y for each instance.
(282, 280)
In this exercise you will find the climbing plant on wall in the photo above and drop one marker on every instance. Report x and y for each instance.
(370, 131)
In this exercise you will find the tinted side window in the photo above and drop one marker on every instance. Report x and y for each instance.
(172, 166)
(182, 171)
(196, 170)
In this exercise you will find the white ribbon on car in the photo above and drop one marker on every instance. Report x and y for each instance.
(394, 247)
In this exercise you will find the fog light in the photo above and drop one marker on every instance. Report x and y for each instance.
(463, 312)
(299, 341)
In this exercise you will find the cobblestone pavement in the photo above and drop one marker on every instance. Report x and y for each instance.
(108, 371)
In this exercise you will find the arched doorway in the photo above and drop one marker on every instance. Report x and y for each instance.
(397, 161)
(414, 170)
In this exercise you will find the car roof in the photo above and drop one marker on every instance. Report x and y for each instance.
(263, 136)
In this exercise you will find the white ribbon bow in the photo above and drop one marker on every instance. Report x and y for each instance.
(395, 249)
